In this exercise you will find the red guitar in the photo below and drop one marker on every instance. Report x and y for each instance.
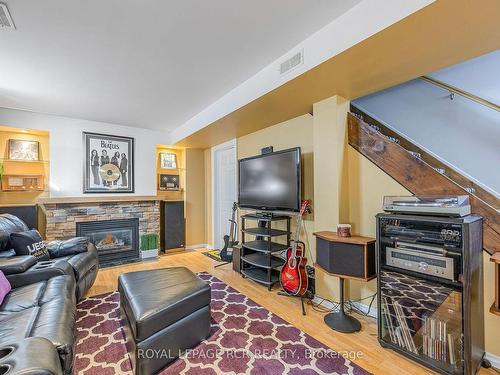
(293, 277)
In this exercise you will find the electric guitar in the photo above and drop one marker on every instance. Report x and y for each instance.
(293, 276)
(230, 240)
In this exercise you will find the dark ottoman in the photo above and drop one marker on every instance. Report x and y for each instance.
(167, 311)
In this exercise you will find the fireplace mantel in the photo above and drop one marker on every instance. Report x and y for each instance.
(99, 199)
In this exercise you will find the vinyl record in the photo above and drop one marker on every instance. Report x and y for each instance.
(109, 172)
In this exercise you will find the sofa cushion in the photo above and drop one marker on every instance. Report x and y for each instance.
(62, 248)
(56, 322)
(155, 299)
(82, 263)
(37, 294)
(22, 298)
(17, 325)
(29, 242)
(58, 287)
(9, 224)
(7, 253)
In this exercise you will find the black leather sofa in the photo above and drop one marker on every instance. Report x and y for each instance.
(83, 265)
(44, 309)
(42, 303)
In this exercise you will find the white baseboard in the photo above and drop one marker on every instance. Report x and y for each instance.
(494, 359)
(361, 306)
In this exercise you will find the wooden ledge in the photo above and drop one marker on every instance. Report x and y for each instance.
(100, 199)
(494, 310)
(495, 258)
(333, 237)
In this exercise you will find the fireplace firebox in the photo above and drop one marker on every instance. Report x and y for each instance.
(117, 241)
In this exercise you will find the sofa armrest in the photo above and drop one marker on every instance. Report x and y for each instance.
(30, 356)
(82, 263)
(17, 264)
(63, 248)
(40, 272)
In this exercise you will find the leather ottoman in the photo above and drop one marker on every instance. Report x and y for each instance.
(167, 311)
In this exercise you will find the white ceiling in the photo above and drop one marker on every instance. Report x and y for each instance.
(149, 63)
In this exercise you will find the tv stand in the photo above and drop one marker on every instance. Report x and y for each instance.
(260, 260)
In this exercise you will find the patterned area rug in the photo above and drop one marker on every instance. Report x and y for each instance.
(245, 339)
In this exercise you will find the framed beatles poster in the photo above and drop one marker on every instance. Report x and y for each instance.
(108, 163)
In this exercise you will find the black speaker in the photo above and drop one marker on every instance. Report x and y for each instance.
(173, 225)
(345, 257)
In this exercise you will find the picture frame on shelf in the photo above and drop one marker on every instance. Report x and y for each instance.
(24, 150)
(168, 160)
(108, 163)
(169, 182)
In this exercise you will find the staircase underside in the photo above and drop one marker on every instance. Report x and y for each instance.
(419, 177)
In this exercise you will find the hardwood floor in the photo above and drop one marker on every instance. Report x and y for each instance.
(374, 358)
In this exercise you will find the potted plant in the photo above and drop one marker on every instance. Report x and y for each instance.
(149, 246)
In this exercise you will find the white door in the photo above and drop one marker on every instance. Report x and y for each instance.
(224, 191)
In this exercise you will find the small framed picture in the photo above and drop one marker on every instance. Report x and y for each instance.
(168, 160)
(169, 182)
(20, 149)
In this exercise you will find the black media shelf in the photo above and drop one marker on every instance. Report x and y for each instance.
(259, 260)
(265, 232)
(261, 275)
(256, 217)
(263, 246)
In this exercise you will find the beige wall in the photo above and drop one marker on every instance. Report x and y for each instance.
(208, 196)
(367, 186)
(288, 134)
(194, 160)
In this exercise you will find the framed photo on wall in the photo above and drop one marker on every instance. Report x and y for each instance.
(108, 163)
(20, 149)
(168, 160)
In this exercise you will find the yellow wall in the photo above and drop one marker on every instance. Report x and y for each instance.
(40, 167)
(288, 134)
(367, 186)
(195, 196)
(208, 196)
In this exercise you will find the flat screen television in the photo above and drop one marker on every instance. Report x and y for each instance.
(271, 182)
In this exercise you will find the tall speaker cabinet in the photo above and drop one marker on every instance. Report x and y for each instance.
(173, 225)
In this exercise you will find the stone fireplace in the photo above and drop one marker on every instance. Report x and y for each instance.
(114, 224)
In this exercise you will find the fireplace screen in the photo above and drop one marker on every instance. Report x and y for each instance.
(116, 240)
(110, 241)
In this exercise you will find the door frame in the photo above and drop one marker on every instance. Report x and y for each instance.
(220, 147)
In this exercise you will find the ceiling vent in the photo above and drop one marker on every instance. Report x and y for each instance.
(292, 62)
(5, 18)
